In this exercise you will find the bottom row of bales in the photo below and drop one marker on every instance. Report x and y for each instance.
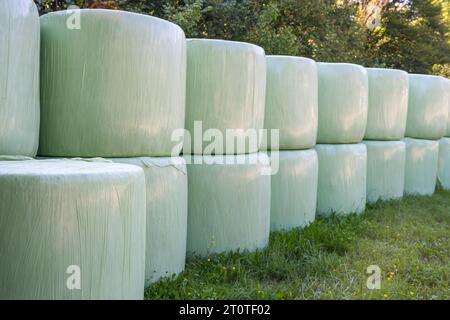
(86, 229)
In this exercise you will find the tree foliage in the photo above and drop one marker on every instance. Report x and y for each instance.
(413, 35)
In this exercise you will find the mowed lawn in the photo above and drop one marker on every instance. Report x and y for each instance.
(409, 240)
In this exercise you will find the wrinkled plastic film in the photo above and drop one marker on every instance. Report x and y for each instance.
(175, 162)
(57, 217)
(421, 166)
(294, 189)
(444, 163)
(228, 204)
(388, 104)
(226, 83)
(113, 88)
(19, 77)
(291, 102)
(342, 178)
(427, 107)
(166, 191)
(343, 102)
(385, 170)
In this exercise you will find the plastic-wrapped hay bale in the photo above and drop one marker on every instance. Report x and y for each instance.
(444, 163)
(421, 166)
(343, 102)
(113, 88)
(291, 102)
(385, 170)
(19, 77)
(388, 104)
(342, 178)
(427, 107)
(294, 189)
(226, 83)
(71, 230)
(228, 203)
(448, 118)
(166, 182)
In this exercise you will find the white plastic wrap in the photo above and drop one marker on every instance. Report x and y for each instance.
(388, 104)
(68, 224)
(291, 102)
(113, 88)
(228, 204)
(385, 170)
(166, 182)
(444, 163)
(294, 190)
(342, 178)
(421, 166)
(343, 102)
(427, 107)
(19, 77)
(226, 83)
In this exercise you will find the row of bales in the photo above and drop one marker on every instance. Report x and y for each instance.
(103, 192)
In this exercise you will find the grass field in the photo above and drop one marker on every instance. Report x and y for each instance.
(409, 240)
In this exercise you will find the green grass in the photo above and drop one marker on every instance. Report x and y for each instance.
(409, 240)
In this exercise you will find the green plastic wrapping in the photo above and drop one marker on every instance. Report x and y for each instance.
(294, 190)
(343, 102)
(19, 77)
(448, 118)
(421, 166)
(427, 107)
(385, 170)
(444, 163)
(388, 104)
(342, 178)
(166, 182)
(59, 215)
(291, 102)
(228, 203)
(114, 88)
(226, 84)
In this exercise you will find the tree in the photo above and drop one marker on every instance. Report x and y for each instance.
(413, 36)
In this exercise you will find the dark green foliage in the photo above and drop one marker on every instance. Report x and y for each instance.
(413, 37)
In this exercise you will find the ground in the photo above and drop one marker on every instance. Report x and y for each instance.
(409, 240)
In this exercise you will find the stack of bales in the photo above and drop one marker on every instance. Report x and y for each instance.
(113, 88)
(229, 190)
(444, 151)
(113, 85)
(291, 108)
(386, 124)
(426, 124)
(343, 107)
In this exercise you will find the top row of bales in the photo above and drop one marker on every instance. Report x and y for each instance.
(116, 87)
